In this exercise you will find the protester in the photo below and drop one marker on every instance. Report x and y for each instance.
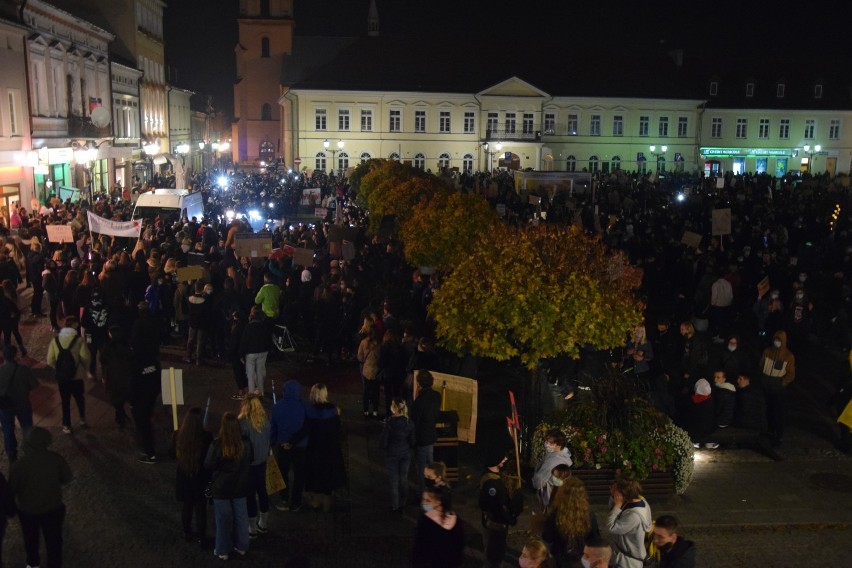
(324, 453)
(256, 427)
(439, 537)
(556, 453)
(570, 523)
(191, 447)
(69, 357)
(675, 551)
(289, 444)
(397, 441)
(16, 383)
(629, 520)
(424, 414)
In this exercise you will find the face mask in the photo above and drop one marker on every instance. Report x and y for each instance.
(777, 344)
(427, 508)
(802, 278)
(586, 563)
(184, 248)
(732, 347)
(550, 448)
(555, 481)
(800, 296)
(774, 296)
(160, 282)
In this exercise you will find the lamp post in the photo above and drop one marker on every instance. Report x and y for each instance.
(150, 150)
(84, 155)
(811, 153)
(658, 155)
(327, 145)
(491, 151)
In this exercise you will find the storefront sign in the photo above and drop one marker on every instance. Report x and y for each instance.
(59, 155)
(746, 152)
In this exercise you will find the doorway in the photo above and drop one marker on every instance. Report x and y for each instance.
(9, 196)
(831, 166)
(739, 166)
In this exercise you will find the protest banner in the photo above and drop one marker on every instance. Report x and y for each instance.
(115, 228)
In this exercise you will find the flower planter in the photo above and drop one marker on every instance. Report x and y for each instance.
(658, 485)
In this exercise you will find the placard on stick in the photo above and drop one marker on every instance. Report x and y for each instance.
(303, 257)
(691, 239)
(721, 222)
(60, 233)
(253, 245)
(189, 273)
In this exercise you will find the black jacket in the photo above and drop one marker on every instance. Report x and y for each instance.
(256, 338)
(397, 438)
(680, 555)
(751, 409)
(229, 477)
(424, 414)
(724, 401)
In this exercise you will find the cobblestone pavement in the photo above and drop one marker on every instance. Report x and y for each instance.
(742, 509)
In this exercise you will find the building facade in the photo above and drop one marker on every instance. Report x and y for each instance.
(265, 40)
(16, 159)
(125, 122)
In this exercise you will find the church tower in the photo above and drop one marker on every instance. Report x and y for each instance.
(373, 20)
(265, 38)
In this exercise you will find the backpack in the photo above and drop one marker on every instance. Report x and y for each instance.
(66, 366)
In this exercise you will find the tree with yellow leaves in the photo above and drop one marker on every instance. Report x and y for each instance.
(535, 293)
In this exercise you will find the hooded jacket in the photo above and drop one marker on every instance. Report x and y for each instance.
(37, 478)
(397, 438)
(628, 527)
(79, 351)
(778, 362)
(541, 477)
(724, 401)
(288, 417)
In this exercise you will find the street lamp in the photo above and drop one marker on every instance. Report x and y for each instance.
(491, 151)
(657, 156)
(150, 149)
(811, 154)
(326, 144)
(84, 155)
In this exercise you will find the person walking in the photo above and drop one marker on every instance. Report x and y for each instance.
(397, 440)
(439, 537)
(69, 357)
(36, 481)
(16, 383)
(10, 316)
(424, 414)
(35, 266)
(117, 366)
(228, 461)
(145, 380)
(368, 356)
(256, 427)
(191, 447)
(200, 316)
(95, 321)
(324, 453)
(254, 349)
(7, 510)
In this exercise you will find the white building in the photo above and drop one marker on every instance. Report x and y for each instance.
(125, 121)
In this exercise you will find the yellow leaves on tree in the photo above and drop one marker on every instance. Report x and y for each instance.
(439, 233)
(536, 293)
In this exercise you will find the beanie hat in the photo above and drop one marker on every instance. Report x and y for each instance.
(702, 387)
(493, 457)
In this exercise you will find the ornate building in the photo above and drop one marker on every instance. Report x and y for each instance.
(16, 159)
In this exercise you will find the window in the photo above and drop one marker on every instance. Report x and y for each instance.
(343, 161)
(817, 91)
(644, 125)
(444, 121)
(420, 161)
(528, 123)
(594, 164)
(779, 90)
(366, 121)
(661, 164)
(443, 161)
(492, 122)
(616, 163)
(742, 127)
(784, 129)
(511, 123)
(395, 120)
(14, 115)
(343, 119)
(749, 89)
(618, 125)
(763, 128)
(321, 119)
(663, 129)
(266, 112)
(682, 126)
(393, 156)
(570, 164)
(365, 156)
(267, 151)
(467, 163)
(264, 47)
(573, 122)
(469, 122)
(549, 123)
(810, 126)
(716, 128)
(320, 165)
(420, 121)
(595, 125)
(714, 88)
(834, 129)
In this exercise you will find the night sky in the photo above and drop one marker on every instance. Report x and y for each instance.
(201, 34)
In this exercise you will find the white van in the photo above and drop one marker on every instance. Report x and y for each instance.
(169, 204)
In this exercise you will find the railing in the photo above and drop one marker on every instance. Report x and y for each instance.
(513, 134)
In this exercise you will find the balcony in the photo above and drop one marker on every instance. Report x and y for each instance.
(514, 135)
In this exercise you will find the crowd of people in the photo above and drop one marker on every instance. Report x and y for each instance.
(747, 304)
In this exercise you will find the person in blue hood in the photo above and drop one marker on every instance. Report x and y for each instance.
(289, 439)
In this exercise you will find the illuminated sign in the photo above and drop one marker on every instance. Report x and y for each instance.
(783, 152)
(59, 155)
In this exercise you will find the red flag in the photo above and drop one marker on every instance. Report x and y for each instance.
(515, 419)
(511, 426)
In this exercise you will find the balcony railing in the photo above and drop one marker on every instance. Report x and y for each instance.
(513, 134)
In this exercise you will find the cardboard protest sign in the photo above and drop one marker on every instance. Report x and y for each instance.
(190, 273)
(253, 245)
(348, 250)
(60, 234)
(303, 257)
(720, 183)
(460, 394)
(762, 287)
(320, 212)
(691, 239)
(721, 222)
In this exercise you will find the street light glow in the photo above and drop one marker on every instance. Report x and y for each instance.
(222, 181)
